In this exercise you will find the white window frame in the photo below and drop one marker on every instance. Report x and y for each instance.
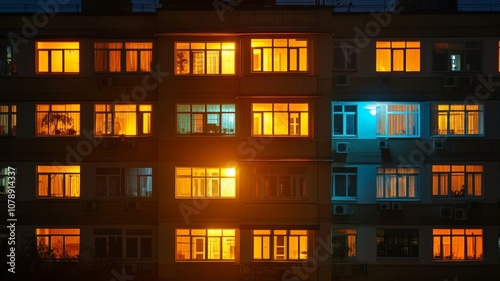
(344, 115)
(384, 115)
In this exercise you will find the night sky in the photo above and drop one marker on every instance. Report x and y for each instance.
(483, 5)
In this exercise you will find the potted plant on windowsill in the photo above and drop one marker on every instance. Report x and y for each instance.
(55, 119)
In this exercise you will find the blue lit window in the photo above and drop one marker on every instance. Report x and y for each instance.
(398, 120)
(344, 120)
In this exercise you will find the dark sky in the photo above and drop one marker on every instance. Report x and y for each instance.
(483, 5)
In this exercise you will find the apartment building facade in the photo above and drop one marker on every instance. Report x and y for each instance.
(256, 143)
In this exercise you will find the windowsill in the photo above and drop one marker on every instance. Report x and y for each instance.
(458, 136)
(397, 259)
(345, 136)
(344, 199)
(398, 136)
(456, 261)
(205, 135)
(279, 199)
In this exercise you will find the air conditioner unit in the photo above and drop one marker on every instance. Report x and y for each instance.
(384, 81)
(343, 147)
(439, 143)
(384, 206)
(105, 82)
(451, 81)
(398, 206)
(383, 143)
(445, 213)
(341, 209)
(133, 205)
(343, 80)
(460, 214)
(90, 205)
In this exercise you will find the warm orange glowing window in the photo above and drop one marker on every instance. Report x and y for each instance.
(57, 119)
(462, 181)
(8, 120)
(457, 119)
(58, 181)
(397, 183)
(344, 243)
(200, 58)
(279, 55)
(280, 182)
(123, 119)
(205, 182)
(58, 243)
(58, 57)
(457, 244)
(123, 57)
(205, 244)
(279, 245)
(280, 119)
(206, 119)
(393, 56)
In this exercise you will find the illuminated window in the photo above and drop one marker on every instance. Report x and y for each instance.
(457, 56)
(123, 119)
(279, 55)
(7, 61)
(7, 180)
(199, 58)
(280, 119)
(462, 181)
(344, 183)
(279, 245)
(344, 57)
(457, 119)
(344, 243)
(206, 119)
(205, 244)
(398, 120)
(280, 182)
(57, 120)
(8, 120)
(58, 243)
(395, 56)
(205, 182)
(344, 120)
(397, 183)
(58, 181)
(397, 242)
(457, 244)
(131, 182)
(58, 57)
(123, 57)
